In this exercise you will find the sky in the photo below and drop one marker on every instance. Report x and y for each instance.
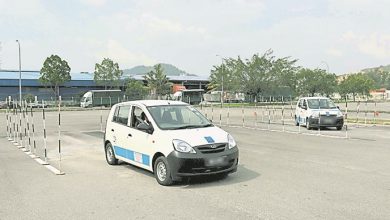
(342, 35)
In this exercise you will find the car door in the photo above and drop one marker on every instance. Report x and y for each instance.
(299, 112)
(118, 130)
(303, 111)
(140, 144)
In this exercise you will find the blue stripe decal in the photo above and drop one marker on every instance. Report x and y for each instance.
(132, 155)
(209, 139)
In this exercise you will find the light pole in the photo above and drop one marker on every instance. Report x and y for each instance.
(20, 75)
(221, 80)
(327, 66)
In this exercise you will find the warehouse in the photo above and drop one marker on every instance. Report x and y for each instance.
(80, 83)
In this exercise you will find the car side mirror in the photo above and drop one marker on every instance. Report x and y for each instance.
(304, 107)
(145, 127)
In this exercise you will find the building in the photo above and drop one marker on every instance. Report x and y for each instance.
(80, 83)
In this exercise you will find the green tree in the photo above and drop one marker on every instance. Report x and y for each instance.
(225, 75)
(356, 84)
(135, 90)
(54, 73)
(260, 75)
(284, 80)
(311, 82)
(158, 82)
(380, 77)
(108, 74)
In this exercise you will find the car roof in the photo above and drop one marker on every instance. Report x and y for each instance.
(148, 103)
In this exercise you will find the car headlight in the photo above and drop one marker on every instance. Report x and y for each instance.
(232, 143)
(182, 146)
(339, 114)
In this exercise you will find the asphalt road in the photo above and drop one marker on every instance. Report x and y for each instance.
(281, 176)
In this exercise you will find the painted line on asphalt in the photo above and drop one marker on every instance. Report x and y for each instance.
(290, 132)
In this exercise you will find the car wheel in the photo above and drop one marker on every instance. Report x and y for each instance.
(296, 121)
(110, 156)
(339, 128)
(308, 124)
(162, 171)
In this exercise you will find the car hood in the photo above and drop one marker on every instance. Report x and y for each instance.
(326, 111)
(198, 136)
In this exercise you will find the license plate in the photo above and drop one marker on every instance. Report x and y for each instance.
(219, 161)
(327, 120)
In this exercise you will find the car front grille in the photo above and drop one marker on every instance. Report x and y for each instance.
(211, 148)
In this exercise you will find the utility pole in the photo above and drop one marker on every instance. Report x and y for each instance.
(20, 75)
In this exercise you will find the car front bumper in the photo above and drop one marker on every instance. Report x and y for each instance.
(199, 164)
(327, 121)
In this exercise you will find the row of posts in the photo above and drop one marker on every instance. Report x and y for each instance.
(21, 129)
(267, 116)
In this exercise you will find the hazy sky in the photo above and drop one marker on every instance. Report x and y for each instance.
(348, 35)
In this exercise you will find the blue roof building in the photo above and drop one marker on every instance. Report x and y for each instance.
(78, 85)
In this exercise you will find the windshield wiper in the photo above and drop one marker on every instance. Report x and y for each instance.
(206, 125)
(191, 126)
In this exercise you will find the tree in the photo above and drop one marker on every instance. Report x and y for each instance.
(158, 82)
(356, 84)
(135, 89)
(54, 73)
(108, 74)
(260, 75)
(225, 75)
(317, 81)
(380, 77)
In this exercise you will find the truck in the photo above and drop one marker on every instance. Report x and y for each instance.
(101, 98)
(190, 96)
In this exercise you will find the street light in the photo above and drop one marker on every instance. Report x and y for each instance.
(327, 66)
(20, 75)
(221, 80)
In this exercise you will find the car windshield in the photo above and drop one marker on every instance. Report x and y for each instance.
(173, 117)
(321, 104)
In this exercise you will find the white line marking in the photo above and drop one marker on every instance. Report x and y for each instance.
(291, 132)
(40, 161)
(54, 170)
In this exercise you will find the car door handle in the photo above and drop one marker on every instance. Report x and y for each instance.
(130, 135)
(112, 129)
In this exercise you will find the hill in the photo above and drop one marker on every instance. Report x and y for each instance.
(169, 70)
(376, 69)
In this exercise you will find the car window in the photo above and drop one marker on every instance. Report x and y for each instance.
(321, 103)
(304, 103)
(138, 116)
(121, 114)
(178, 117)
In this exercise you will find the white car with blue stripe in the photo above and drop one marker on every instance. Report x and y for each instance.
(169, 138)
(318, 112)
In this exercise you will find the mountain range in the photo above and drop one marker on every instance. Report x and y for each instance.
(169, 70)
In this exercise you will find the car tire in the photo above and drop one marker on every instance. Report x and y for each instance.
(339, 128)
(110, 155)
(162, 172)
(296, 121)
(308, 124)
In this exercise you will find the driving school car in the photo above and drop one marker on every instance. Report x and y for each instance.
(169, 138)
(318, 112)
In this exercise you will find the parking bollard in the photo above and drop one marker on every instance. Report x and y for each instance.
(28, 128)
(59, 137)
(243, 120)
(33, 132)
(44, 131)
